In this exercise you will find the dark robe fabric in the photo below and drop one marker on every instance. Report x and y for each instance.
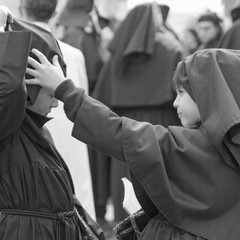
(185, 179)
(42, 40)
(231, 39)
(136, 82)
(36, 191)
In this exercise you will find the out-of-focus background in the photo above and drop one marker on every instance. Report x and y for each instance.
(181, 10)
(182, 13)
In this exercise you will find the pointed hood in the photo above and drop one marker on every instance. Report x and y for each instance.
(45, 42)
(136, 34)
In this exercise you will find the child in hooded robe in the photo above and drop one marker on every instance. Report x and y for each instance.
(185, 178)
(37, 198)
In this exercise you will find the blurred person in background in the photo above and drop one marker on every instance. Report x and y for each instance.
(136, 80)
(209, 30)
(82, 30)
(190, 40)
(231, 38)
(74, 152)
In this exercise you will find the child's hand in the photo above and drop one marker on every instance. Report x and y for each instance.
(45, 74)
(5, 17)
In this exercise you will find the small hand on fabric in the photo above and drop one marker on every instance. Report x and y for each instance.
(44, 73)
(5, 17)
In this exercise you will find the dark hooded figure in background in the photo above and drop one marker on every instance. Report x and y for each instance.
(136, 81)
(231, 39)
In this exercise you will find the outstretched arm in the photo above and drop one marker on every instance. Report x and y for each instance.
(94, 123)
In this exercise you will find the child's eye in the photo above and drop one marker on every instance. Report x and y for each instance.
(179, 91)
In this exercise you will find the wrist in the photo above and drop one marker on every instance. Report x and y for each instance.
(57, 84)
(65, 89)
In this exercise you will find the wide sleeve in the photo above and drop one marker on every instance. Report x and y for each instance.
(94, 123)
(13, 61)
(176, 170)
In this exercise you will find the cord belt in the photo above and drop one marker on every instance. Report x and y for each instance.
(61, 217)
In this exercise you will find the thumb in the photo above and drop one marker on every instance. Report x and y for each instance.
(56, 62)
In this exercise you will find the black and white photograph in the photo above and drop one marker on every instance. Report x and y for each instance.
(120, 119)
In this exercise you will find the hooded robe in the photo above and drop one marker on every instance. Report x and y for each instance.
(186, 180)
(36, 191)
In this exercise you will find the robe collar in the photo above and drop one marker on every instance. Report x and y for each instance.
(38, 119)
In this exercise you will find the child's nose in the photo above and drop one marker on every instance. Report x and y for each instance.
(175, 103)
(54, 103)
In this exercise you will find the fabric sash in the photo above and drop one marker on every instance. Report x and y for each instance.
(61, 218)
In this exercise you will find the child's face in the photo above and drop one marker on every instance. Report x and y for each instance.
(186, 108)
(44, 102)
